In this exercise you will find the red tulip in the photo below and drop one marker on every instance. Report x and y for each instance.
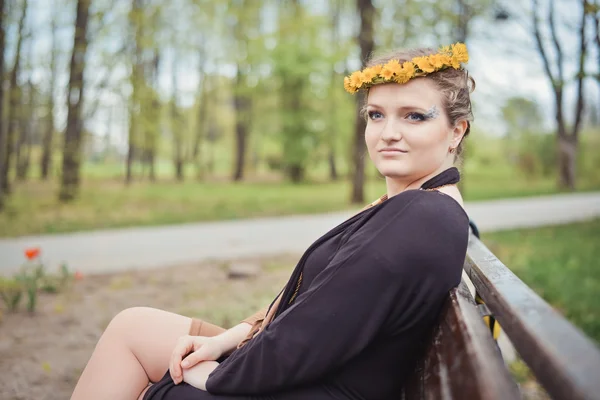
(32, 253)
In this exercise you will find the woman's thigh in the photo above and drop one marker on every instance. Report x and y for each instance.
(165, 389)
(151, 335)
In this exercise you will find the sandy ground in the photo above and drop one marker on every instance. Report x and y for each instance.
(42, 355)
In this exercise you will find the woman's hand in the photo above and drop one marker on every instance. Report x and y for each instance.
(202, 348)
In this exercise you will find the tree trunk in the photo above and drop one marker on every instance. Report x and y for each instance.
(176, 126)
(567, 162)
(331, 156)
(136, 79)
(201, 121)
(73, 135)
(46, 161)
(241, 131)
(366, 42)
(358, 176)
(26, 134)
(13, 105)
(152, 129)
(2, 137)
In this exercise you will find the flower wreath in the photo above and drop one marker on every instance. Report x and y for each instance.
(447, 57)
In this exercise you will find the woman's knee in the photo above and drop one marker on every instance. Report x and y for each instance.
(128, 320)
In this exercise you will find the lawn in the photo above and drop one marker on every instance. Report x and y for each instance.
(561, 263)
(105, 202)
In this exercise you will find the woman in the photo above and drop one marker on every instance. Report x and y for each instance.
(363, 299)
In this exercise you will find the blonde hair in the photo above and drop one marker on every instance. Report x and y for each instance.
(455, 84)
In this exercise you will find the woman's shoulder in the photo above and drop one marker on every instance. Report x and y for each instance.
(431, 206)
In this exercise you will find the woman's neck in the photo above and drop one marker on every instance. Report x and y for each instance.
(398, 185)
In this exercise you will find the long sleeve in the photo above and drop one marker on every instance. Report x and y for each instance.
(382, 280)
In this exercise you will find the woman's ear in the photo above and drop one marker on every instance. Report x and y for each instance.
(459, 131)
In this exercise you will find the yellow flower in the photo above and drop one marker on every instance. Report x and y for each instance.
(455, 61)
(394, 66)
(348, 85)
(446, 59)
(356, 79)
(423, 64)
(367, 75)
(409, 69)
(377, 69)
(386, 73)
(390, 68)
(460, 53)
(402, 77)
(436, 60)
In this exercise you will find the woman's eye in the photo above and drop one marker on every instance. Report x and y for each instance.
(375, 115)
(414, 116)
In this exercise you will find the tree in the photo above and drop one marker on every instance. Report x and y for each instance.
(245, 26)
(46, 160)
(73, 135)
(177, 126)
(567, 137)
(595, 13)
(137, 76)
(2, 137)
(366, 11)
(526, 144)
(14, 110)
(28, 121)
(335, 26)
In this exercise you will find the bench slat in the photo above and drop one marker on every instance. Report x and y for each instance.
(564, 360)
(462, 361)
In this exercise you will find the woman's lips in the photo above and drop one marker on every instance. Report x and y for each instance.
(392, 150)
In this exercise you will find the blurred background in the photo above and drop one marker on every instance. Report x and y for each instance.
(132, 113)
(138, 112)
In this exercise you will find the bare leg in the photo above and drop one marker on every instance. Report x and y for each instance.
(134, 350)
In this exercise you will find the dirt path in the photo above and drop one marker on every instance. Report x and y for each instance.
(154, 247)
(42, 355)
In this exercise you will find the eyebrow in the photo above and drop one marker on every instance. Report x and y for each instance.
(399, 108)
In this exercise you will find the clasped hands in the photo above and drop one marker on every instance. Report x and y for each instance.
(200, 354)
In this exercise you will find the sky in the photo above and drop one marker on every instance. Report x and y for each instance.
(503, 62)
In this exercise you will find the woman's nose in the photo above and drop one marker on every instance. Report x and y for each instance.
(391, 131)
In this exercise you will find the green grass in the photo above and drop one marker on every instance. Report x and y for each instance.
(561, 264)
(105, 202)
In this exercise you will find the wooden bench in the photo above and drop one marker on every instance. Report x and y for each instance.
(463, 361)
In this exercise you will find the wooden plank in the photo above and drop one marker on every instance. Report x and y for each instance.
(462, 361)
(564, 360)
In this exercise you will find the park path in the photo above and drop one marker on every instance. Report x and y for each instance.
(151, 247)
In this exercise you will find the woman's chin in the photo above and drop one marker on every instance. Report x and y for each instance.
(394, 173)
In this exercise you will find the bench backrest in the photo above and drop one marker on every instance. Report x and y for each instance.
(463, 360)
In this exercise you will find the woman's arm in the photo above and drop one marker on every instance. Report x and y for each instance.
(385, 279)
(196, 368)
(228, 340)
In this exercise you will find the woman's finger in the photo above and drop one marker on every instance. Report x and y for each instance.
(194, 358)
(184, 345)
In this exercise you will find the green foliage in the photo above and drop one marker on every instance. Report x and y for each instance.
(11, 292)
(30, 276)
(29, 280)
(530, 149)
(562, 265)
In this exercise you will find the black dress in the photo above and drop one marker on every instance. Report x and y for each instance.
(371, 292)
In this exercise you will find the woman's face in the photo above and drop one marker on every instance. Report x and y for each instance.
(408, 134)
